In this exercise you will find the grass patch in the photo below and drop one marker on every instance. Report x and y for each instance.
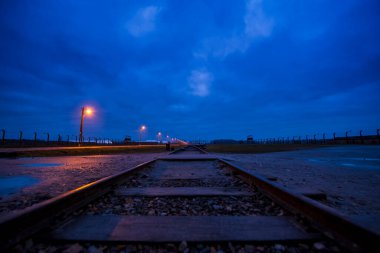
(79, 151)
(259, 148)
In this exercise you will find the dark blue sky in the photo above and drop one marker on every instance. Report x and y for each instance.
(192, 69)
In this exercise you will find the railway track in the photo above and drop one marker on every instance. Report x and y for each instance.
(186, 201)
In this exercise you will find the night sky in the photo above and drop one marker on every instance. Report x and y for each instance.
(191, 69)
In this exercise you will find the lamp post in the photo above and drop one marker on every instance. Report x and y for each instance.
(141, 130)
(85, 111)
(159, 135)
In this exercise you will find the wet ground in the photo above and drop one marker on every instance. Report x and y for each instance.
(26, 181)
(13, 184)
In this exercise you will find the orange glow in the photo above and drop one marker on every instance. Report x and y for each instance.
(142, 128)
(88, 111)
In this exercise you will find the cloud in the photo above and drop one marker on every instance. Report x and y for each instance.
(257, 24)
(144, 21)
(200, 82)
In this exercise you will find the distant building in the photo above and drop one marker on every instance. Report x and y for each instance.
(249, 139)
(127, 139)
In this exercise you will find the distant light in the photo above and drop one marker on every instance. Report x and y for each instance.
(142, 128)
(159, 133)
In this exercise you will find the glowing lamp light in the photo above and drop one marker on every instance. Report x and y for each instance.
(143, 128)
(89, 111)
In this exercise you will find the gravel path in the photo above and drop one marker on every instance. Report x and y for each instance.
(230, 247)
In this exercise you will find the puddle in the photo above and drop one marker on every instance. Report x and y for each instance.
(9, 185)
(41, 164)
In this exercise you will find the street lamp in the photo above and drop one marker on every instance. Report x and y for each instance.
(159, 135)
(141, 131)
(85, 111)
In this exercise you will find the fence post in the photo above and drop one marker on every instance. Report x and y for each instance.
(35, 138)
(48, 137)
(3, 136)
(59, 138)
(20, 140)
(324, 138)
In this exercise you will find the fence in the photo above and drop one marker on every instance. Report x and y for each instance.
(35, 139)
(45, 139)
(307, 139)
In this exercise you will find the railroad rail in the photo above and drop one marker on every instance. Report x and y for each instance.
(187, 195)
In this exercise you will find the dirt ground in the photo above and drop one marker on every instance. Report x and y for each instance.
(56, 175)
(349, 175)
